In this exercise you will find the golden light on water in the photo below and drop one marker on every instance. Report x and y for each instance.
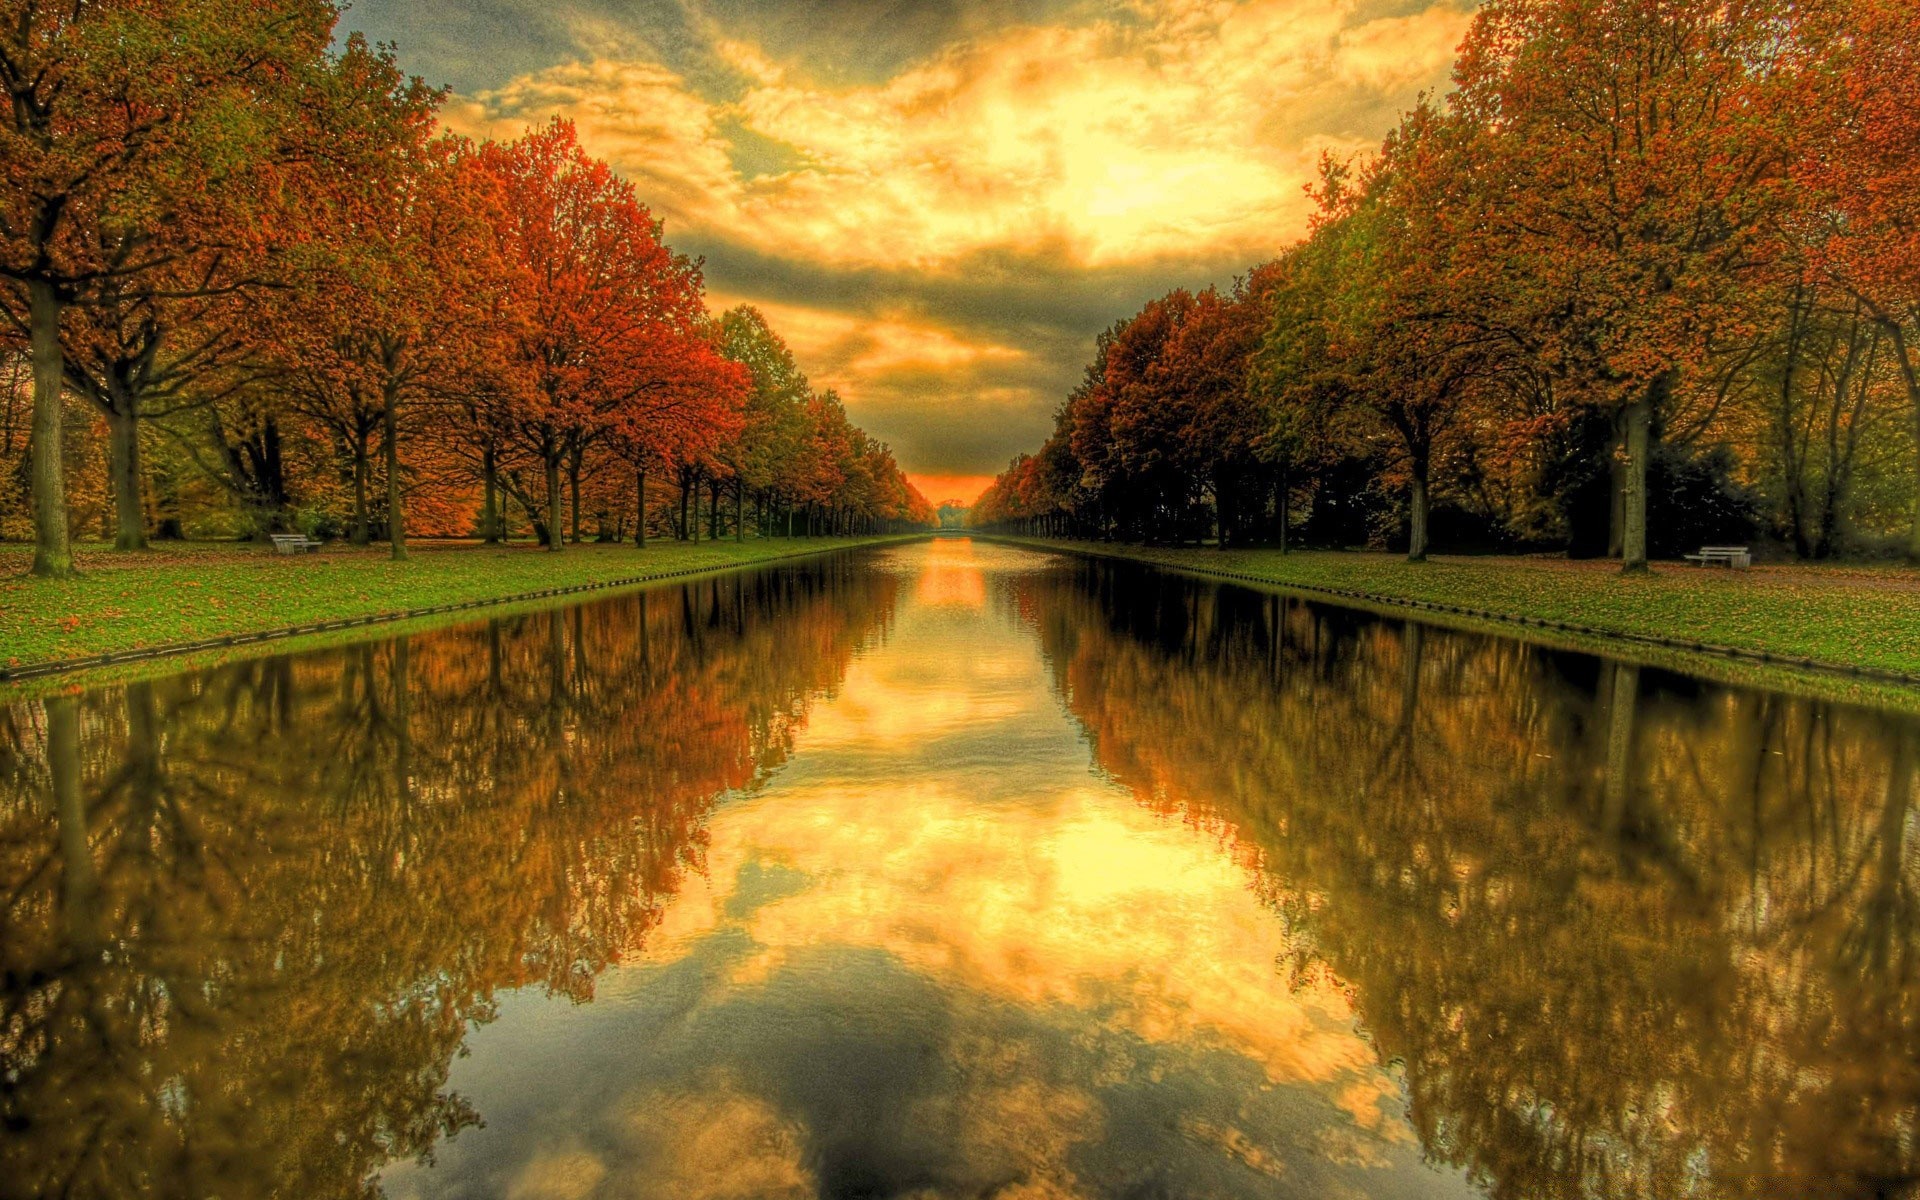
(937, 817)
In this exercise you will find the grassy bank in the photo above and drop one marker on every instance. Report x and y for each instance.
(189, 593)
(1843, 616)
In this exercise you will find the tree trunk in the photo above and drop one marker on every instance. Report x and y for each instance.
(362, 534)
(490, 504)
(1639, 425)
(396, 511)
(555, 531)
(640, 494)
(573, 494)
(123, 458)
(1280, 504)
(739, 511)
(1417, 512)
(52, 549)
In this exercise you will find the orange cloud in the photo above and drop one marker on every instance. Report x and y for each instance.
(1105, 141)
(1152, 140)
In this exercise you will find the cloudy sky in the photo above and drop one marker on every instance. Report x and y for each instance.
(939, 203)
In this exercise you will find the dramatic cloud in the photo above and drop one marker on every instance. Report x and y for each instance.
(940, 204)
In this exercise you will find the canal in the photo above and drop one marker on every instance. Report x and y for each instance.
(956, 870)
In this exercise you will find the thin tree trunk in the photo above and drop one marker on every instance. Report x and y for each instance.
(739, 511)
(123, 457)
(555, 531)
(1639, 424)
(362, 534)
(52, 549)
(640, 494)
(1280, 504)
(396, 511)
(490, 507)
(573, 494)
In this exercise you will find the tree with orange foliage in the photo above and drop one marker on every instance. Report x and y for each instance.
(387, 305)
(609, 331)
(1625, 160)
(1858, 161)
(125, 165)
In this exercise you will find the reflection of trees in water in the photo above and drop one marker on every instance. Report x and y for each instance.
(1628, 935)
(247, 914)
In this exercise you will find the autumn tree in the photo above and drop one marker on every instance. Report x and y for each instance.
(612, 321)
(1857, 164)
(1407, 337)
(382, 308)
(135, 135)
(1627, 159)
(775, 416)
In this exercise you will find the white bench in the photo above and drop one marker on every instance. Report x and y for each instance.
(1721, 556)
(294, 543)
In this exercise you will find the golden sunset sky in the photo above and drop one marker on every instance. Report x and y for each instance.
(939, 205)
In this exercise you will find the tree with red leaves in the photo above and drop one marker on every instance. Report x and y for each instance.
(610, 326)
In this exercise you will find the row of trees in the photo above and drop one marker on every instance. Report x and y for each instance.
(1645, 260)
(239, 266)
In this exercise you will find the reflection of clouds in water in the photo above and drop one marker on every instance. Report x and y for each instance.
(933, 957)
(1080, 899)
(707, 1141)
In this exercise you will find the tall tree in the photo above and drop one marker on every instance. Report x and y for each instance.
(1408, 333)
(610, 319)
(1858, 161)
(1629, 157)
(134, 130)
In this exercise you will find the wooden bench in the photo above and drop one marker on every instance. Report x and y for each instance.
(294, 543)
(1721, 556)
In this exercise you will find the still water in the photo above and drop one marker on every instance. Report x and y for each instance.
(952, 870)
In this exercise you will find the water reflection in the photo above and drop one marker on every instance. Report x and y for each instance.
(1627, 934)
(250, 914)
(800, 883)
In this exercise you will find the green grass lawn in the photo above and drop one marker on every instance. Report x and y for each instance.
(1853, 616)
(189, 592)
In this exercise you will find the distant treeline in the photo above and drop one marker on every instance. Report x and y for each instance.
(1648, 277)
(247, 287)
